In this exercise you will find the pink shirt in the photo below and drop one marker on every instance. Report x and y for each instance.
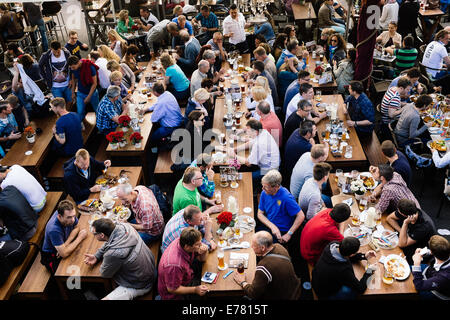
(273, 125)
(146, 211)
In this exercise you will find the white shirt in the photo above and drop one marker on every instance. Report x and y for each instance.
(103, 72)
(59, 72)
(26, 184)
(151, 18)
(196, 81)
(433, 56)
(292, 106)
(441, 162)
(237, 27)
(264, 152)
(390, 13)
(118, 49)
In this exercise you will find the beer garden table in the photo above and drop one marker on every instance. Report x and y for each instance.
(434, 14)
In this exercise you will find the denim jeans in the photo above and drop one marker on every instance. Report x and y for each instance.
(41, 26)
(147, 238)
(339, 28)
(81, 107)
(160, 133)
(345, 293)
(25, 100)
(63, 92)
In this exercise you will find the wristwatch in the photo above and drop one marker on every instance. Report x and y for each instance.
(241, 284)
(290, 233)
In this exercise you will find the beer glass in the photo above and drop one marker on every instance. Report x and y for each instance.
(220, 259)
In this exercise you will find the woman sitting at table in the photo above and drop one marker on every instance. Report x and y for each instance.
(175, 77)
(115, 79)
(128, 79)
(344, 70)
(322, 42)
(390, 38)
(130, 60)
(406, 56)
(201, 96)
(118, 44)
(108, 54)
(287, 74)
(126, 23)
(336, 49)
(214, 93)
(263, 82)
(289, 30)
(257, 95)
(279, 45)
(195, 127)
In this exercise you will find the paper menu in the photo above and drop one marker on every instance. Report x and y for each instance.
(236, 257)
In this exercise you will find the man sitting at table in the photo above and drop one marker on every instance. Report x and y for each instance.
(62, 236)
(205, 163)
(413, 75)
(270, 67)
(20, 178)
(436, 56)
(391, 190)
(126, 259)
(270, 121)
(190, 53)
(306, 92)
(275, 278)
(415, 227)
(183, 24)
(215, 71)
(310, 197)
(146, 19)
(109, 110)
(166, 113)
(397, 160)
(191, 216)
(148, 219)
(8, 127)
(67, 130)
(304, 108)
(186, 192)
(80, 173)
(208, 23)
(303, 76)
(407, 129)
(216, 44)
(360, 110)
(259, 70)
(322, 229)
(333, 277)
(179, 271)
(198, 75)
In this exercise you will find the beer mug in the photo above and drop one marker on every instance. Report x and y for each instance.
(237, 230)
(220, 259)
(218, 197)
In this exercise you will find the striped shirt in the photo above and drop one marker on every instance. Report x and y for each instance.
(391, 100)
(146, 211)
(405, 58)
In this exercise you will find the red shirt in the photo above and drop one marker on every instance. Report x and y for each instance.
(273, 125)
(174, 270)
(147, 212)
(317, 233)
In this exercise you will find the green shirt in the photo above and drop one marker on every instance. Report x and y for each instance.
(183, 197)
(122, 28)
(406, 58)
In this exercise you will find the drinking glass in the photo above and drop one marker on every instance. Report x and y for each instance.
(387, 277)
(237, 230)
(218, 197)
(339, 173)
(348, 152)
(354, 173)
(241, 266)
(318, 95)
(220, 259)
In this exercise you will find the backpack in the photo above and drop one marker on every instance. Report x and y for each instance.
(422, 160)
(163, 202)
(14, 251)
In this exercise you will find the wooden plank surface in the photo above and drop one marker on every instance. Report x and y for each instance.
(303, 11)
(326, 86)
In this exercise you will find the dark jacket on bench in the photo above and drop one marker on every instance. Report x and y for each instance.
(16, 213)
(75, 182)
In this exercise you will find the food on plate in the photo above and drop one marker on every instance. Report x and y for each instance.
(427, 119)
(234, 184)
(396, 268)
(368, 181)
(102, 181)
(439, 145)
(121, 212)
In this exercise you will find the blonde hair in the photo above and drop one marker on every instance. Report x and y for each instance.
(107, 53)
(115, 75)
(201, 94)
(123, 44)
(113, 65)
(123, 14)
(176, 9)
(285, 65)
(166, 60)
(259, 93)
(82, 153)
(263, 82)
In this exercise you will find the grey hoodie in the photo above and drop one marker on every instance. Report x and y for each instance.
(127, 259)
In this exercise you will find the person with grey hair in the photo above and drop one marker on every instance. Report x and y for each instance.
(159, 35)
(275, 277)
(215, 71)
(109, 110)
(148, 219)
(191, 51)
(198, 75)
(270, 121)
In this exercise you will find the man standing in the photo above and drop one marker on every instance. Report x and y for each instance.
(34, 14)
(275, 278)
(109, 110)
(159, 35)
(148, 219)
(62, 236)
(67, 130)
(126, 259)
(191, 51)
(234, 28)
(80, 174)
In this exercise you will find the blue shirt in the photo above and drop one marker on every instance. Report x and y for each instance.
(187, 25)
(105, 112)
(177, 78)
(291, 91)
(361, 109)
(266, 30)
(81, 87)
(281, 209)
(167, 111)
(295, 147)
(70, 125)
(402, 167)
(210, 22)
(8, 125)
(56, 234)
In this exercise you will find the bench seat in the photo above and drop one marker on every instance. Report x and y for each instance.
(36, 281)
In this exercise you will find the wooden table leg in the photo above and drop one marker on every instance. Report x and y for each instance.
(61, 282)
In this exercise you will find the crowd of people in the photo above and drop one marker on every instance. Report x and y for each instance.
(296, 219)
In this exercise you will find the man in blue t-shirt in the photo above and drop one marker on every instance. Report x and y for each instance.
(397, 160)
(67, 130)
(84, 75)
(62, 236)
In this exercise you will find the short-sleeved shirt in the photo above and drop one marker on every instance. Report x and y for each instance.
(405, 58)
(391, 100)
(281, 209)
(74, 49)
(264, 152)
(210, 22)
(8, 125)
(183, 197)
(107, 110)
(434, 56)
(177, 78)
(81, 87)
(174, 270)
(70, 125)
(60, 72)
(146, 211)
(56, 234)
(273, 125)
(187, 25)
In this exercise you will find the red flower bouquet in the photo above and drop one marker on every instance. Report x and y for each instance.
(135, 138)
(224, 219)
(318, 70)
(134, 27)
(115, 137)
(124, 121)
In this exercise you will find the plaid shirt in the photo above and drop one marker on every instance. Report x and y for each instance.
(146, 211)
(105, 112)
(393, 192)
(207, 188)
(174, 228)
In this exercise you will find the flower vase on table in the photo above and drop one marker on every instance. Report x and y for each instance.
(224, 220)
(114, 139)
(124, 122)
(30, 134)
(358, 188)
(136, 139)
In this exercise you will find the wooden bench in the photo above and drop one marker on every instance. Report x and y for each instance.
(372, 149)
(35, 283)
(163, 163)
(154, 248)
(9, 287)
(101, 153)
(310, 269)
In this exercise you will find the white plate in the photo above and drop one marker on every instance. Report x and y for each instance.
(236, 185)
(368, 174)
(400, 261)
(246, 223)
(29, 152)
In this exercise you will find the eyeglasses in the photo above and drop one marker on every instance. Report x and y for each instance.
(334, 40)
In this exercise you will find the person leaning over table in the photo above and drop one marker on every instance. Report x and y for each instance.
(186, 192)
(125, 258)
(406, 56)
(191, 216)
(333, 277)
(182, 23)
(344, 71)
(198, 75)
(179, 271)
(415, 227)
(191, 51)
(397, 160)
(109, 110)
(432, 280)
(275, 277)
(80, 173)
(360, 110)
(148, 219)
(207, 21)
(306, 92)
(175, 78)
(413, 75)
(62, 237)
(160, 35)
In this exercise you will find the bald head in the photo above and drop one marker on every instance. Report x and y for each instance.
(262, 242)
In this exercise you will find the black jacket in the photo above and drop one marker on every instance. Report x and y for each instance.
(16, 212)
(74, 181)
(407, 25)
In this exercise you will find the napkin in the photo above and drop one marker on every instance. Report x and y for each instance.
(379, 232)
(348, 201)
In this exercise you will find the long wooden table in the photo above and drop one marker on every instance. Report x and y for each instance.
(243, 194)
(435, 15)
(326, 87)
(376, 287)
(74, 264)
(359, 158)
